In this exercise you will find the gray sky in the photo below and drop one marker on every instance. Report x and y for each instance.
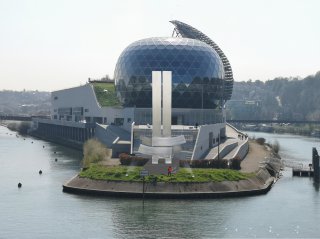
(51, 45)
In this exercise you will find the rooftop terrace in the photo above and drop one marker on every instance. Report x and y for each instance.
(106, 94)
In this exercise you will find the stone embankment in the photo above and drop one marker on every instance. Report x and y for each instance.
(260, 160)
(259, 184)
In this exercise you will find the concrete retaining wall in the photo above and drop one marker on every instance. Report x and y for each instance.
(226, 150)
(259, 184)
(243, 148)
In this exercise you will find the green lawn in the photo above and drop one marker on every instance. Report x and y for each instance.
(118, 173)
(106, 94)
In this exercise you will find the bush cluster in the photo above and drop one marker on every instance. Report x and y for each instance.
(202, 163)
(21, 128)
(276, 147)
(130, 160)
(235, 163)
(261, 141)
(93, 152)
(213, 163)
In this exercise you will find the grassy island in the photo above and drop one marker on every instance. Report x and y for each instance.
(184, 175)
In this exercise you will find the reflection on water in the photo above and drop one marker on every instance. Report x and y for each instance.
(316, 186)
(41, 210)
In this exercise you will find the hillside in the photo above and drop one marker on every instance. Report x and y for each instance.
(24, 102)
(281, 98)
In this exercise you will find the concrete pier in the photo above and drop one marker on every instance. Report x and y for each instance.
(302, 172)
(312, 170)
(315, 164)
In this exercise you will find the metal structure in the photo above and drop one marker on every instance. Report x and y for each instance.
(197, 72)
(184, 30)
(162, 142)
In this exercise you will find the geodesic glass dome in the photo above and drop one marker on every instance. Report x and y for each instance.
(197, 72)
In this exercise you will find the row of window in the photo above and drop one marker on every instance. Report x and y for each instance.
(100, 120)
(71, 111)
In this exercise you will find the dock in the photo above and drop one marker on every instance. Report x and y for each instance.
(302, 172)
(312, 170)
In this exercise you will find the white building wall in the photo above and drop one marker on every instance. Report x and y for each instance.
(81, 96)
(84, 96)
(202, 144)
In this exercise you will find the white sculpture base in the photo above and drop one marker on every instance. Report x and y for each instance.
(155, 159)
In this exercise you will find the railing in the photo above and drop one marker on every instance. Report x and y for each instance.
(273, 121)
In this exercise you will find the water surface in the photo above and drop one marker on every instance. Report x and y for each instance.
(41, 210)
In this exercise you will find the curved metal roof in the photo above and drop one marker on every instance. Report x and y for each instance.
(185, 30)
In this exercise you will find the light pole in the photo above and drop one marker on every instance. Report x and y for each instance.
(202, 105)
(221, 107)
(218, 146)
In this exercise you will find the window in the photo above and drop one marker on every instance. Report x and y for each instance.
(118, 121)
(55, 98)
(65, 111)
(129, 120)
(97, 120)
(77, 110)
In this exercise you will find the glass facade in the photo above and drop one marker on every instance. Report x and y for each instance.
(143, 116)
(197, 72)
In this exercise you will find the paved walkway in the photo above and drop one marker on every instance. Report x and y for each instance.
(161, 168)
(232, 137)
(256, 155)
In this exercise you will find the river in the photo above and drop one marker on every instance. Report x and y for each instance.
(39, 209)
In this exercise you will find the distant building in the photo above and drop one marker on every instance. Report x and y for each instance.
(120, 113)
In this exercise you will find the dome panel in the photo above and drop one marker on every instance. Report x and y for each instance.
(191, 61)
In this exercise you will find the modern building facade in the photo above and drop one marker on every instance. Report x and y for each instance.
(197, 72)
(202, 82)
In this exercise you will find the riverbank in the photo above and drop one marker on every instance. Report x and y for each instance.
(259, 184)
(260, 161)
(16, 127)
(295, 129)
(40, 196)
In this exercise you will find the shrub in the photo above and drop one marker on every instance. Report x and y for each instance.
(276, 146)
(184, 163)
(130, 160)
(21, 128)
(203, 163)
(235, 163)
(93, 152)
(219, 163)
(261, 141)
(200, 163)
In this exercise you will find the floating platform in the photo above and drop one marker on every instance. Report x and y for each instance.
(304, 172)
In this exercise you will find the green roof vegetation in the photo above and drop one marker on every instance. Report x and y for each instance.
(132, 174)
(106, 94)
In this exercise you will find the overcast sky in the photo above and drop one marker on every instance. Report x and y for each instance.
(51, 45)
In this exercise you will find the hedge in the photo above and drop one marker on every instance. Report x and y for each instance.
(213, 163)
(202, 163)
(130, 160)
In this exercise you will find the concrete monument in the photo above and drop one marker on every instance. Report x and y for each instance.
(162, 143)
